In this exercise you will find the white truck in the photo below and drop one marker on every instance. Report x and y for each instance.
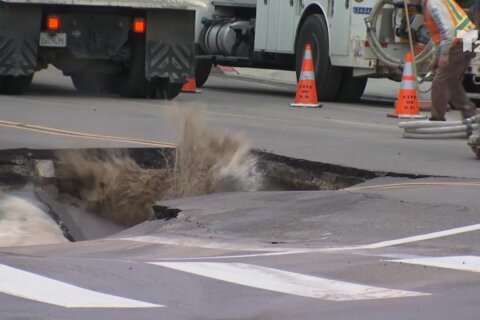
(352, 40)
(136, 48)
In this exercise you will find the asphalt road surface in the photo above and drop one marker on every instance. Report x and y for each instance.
(383, 250)
(359, 136)
(386, 249)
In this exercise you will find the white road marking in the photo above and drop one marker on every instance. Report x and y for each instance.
(290, 251)
(462, 263)
(34, 287)
(287, 282)
(422, 237)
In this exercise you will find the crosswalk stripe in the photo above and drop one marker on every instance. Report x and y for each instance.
(462, 263)
(34, 287)
(286, 282)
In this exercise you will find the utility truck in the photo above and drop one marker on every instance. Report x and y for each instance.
(133, 48)
(352, 40)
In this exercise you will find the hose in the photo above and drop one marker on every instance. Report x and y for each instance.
(474, 143)
(441, 129)
(384, 57)
(409, 135)
(449, 129)
(429, 124)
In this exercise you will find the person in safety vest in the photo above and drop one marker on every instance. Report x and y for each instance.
(449, 26)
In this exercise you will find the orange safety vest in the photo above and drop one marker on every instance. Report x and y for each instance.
(454, 13)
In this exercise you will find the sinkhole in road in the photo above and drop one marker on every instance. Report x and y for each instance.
(125, 187)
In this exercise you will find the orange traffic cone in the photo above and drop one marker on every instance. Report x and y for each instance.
(191, 86)
(407, 105)
(306, 95)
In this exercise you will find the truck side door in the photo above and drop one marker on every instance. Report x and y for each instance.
(264, 27)
(339, 14)
(274, 26)
(286, 25)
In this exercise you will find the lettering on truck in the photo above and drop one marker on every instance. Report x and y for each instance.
(362, 10)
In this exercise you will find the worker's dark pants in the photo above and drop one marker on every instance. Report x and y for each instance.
(447, 85)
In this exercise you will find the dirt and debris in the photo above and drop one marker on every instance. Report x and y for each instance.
(116, 187)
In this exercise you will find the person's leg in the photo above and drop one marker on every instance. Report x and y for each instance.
(440, 93)
(460, 60)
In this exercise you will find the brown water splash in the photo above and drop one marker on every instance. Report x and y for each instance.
(114, 186)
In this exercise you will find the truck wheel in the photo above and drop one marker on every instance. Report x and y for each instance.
(15, 84)
(315, 32)
(469, 85)
(92, 83)
(167, 90)
(134, 84)
(202, 71)
(351, 88)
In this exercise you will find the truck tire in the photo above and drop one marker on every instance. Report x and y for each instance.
(351, 88)
(469, 85)
(202, 71)
(15, 85)
(133, 82)
(314, 31)
(167, 90)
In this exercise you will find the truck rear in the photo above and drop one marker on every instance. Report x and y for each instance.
(141, 49)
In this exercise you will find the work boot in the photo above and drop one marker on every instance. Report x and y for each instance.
(436, 119)
(469, 115)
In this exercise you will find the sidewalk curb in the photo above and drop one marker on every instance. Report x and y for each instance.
(234, 73)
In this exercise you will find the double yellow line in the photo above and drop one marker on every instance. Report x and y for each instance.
(77, 134)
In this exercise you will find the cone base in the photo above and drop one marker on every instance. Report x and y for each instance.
(306, 105)
(192, 91)
(406, 116)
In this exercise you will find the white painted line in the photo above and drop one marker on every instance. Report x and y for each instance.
(34, 287)
(462, 263)
(422, 237)
(287, 282)
(376, 245)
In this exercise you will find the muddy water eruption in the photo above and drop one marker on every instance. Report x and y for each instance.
(24, 223)
(116, 187)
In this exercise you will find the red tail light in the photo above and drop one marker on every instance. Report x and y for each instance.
(139, 25)
(53, 23)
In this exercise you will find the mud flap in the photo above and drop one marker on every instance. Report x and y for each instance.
(19, 36)
(170, 50)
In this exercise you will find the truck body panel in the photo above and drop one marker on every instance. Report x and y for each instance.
(272, 25)
(285, 24)
(261, 27)
(170, 51)
(19, 45)
(146, 4)
(340, 18)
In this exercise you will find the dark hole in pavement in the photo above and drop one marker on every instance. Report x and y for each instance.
(20, 168)
(165, 213)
